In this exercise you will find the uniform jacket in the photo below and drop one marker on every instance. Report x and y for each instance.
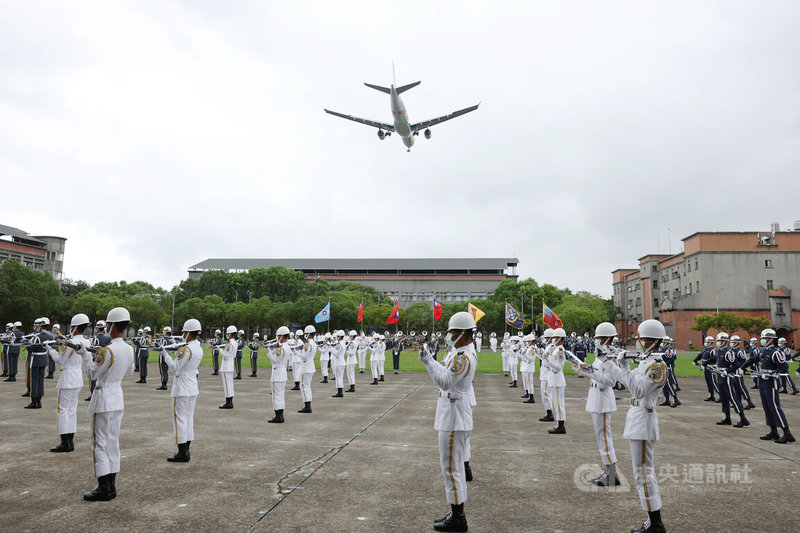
(37, 354)
(307, 357)
(71, 362)
(645, 384)
(601, 393)
(184, 366)
(337, 353)
(109, 365)
(542, 354)
(279, 357)
(454, 378)
(351, 353)
(555, 364)
(228, 353)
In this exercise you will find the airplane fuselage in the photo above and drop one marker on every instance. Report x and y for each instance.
(401, 124)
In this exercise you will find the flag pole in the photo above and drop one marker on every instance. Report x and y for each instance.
(433, 313)
(329, 314)
(505, 324)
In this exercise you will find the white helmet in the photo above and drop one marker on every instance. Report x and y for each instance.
(118, 314)
(310, 329)
(461, 320)
(352, 333)
(44, 321)
(493, 335)
(166, 329)
(735, 339)
(283, 330)
(298, 333)
(559, 332)
(192, 325)
(769, 333)
(217, 332)
(79, 320)
(753, 341)
(548, 333)
(240, 332)
(256, 335)
(781, 341)
(400, 332)
(327, 334)
(605, 329)
(17, 324)
(572, 334)
(340, 333)
(140, 331)
(506, 335)
(528, 338)
(9, 325)
(230, 329)
(148, 330)
(57, 327)
(653, 331)
(480, 335)
(709, 340)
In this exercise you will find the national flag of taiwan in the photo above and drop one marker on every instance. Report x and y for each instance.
(550, 318)
(395, 316)
(361, 311)
(437, 309)
(476, 313)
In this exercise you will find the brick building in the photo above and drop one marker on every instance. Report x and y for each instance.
(39, 252)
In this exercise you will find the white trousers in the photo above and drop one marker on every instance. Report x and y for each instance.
(557, 403)
(227, 383)
(351, 374)
(338, 371)
(183, 418)
(373, 367)
(545, 394)
(381, 363)
(605, 440)
(505, 363)
(67, 419)
(452, 445)
(644, 474)
(278, 395)
(512, 367)
(305, 386)
(527, 382)
(468, 448)
(104, 442)
(323, 365)
(362, 359)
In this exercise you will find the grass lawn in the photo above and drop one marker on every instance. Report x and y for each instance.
(488, 362)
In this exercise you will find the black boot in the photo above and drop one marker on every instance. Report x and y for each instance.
(351, 389)
(526, 395)
(786, 438)
(296, 386)
(276, 419)
(665, 403)
(163, 386)
(548, 417)
(63, 446)
(467, 471)
(280, 415)
(141, 380)
(103, 491)
(742, 422)
(71, 442)
(531, 399)
(749, 405)
(559, 429)
(34, 404)
(676, 403)
(27, 394)
(228, 404)
(725, 421)
(381, 378)
(324, 379)
(709, 398)
(111, 481)
(608, 478)
(182, 456)
(306, 408)
(338, 393)
(513, 385)
(455, 521)
(374, 381)
(772, 435)
(652, 525)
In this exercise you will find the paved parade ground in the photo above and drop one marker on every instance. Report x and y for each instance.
(369, 462)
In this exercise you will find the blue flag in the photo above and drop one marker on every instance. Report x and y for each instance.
(324, 315)
(513, 318)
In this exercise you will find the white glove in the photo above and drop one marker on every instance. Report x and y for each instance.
(739, 372)
(82, 351)
(52, 352)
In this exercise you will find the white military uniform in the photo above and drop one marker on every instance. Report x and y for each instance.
(307, 355)
(504, 354)
(109, 365)
(527, 368)
(544, 374)
(493, 344)
(351, 362)
(362, 353)
(641, 423)
(228, 353)
(376, 349)
(337, 356)
(600, 403)
(184, 388)
(453, 415)
(555, 381)
(69, 384)
(324, 356)
(381, 357)
(279, 357)
(297, 361)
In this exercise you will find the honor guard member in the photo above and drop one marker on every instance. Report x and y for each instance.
(362, 352)
(382, 358)
(70, 382)
(136, 340)
(228, 352)
(297, 361)
(513, 360)
(527, 368)
(254, 346)
(166, 338)
(184, 387)
(239, 353)
(754, 352)
(707, 359)
(493, 342)
(51, 364)
(143, 354)
(351, 360)
(555, 380)
(478, 342)
(13, 351)
(601, 403)
(397, 349)
(729, 393)
(504, 352)
(544, 374)
(307, 354)
(738, 381)
(37, 361)
(215, 344)
(337, 356)
(102, 340)
(279, 356)
(641, 422)
(787, 353)
(773, 364)
(7, 339)
(109, 365)
(454, 413)
(671, 386)
(581, 349)
(325, 356)
(373, 357)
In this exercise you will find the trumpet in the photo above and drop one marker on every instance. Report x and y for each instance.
(270, 344)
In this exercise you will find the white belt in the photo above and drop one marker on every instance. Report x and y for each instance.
(639, 403)
(451, 396)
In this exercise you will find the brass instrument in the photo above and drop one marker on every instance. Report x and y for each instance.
(271, 344)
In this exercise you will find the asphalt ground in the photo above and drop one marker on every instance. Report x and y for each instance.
(369, 462)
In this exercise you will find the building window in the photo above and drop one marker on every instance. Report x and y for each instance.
(689, 289)
(695, 264)
(664, 278)
(778, 308)
(767, 263)
(676, 293)
(697, 286)
(638, 302)
(655, 283)
(770, 285)
(665, 294)
(655, 303)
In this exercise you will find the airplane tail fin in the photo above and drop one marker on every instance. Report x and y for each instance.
(379, 88)
(404, 88)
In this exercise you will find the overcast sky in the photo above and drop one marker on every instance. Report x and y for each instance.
(154, 135)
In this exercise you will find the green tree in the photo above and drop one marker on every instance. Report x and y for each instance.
(27, 294)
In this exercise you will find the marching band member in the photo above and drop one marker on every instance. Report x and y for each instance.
(397, 349)
(9, 328)
(337, 356)
(601, 402)
(555, 380)
(215, 344)
(504, 352)
(454, 413)
(13, 351)
(350, 362)
(493, 342)
(362, 352)
(297, 360)
(108, 367)
(69, 383)
(325, 356)
(51, 364)
(239, 354)
(373, 357)
(544, 374)
(641, 422)
(254, 346)
(143, 353)
(166, 335)
(513, 355)
(528, 367)
(478, 341)
(184, 387)
(307, 353)
(279, 356)
(382, 357)
(37, 362)
(228, 352)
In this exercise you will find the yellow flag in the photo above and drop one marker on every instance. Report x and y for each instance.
(476, 313)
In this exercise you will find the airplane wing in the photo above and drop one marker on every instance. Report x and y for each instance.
(427, 123)
(373, 123)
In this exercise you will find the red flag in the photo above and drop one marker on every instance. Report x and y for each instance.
(437, 309)
(550, 318)
(361, 311)
(395, 316)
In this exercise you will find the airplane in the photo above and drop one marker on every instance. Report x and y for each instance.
(401, 125)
